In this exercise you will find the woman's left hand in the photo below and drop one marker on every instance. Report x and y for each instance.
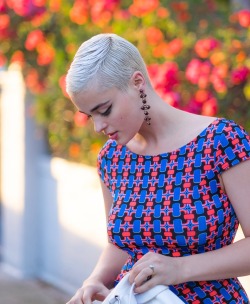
(154, 269)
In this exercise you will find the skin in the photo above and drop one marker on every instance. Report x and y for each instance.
(165, 134)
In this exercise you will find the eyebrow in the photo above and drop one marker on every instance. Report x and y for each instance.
(96, 107)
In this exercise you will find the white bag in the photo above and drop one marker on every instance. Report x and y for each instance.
(123, 293)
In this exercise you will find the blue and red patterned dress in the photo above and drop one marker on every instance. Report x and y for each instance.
(173, 204)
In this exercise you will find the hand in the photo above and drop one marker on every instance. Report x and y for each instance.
(154, 269)
(90, 291)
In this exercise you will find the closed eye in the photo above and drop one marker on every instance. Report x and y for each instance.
(107, 112)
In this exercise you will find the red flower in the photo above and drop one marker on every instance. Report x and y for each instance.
(18, 57)
(4, 21)
(204, 47)
(244, 18)
(198, 72)
(46, 53)
(6, 32)
(181, 10)
(33, 82)
(203, 103)
(54, 5)
(39, 2)
(164, 77)
(174, 47)
(25, 8)
(3, 7)
(210, 107)
(172, 98)
(162, 12)
(79, 12)
(217, 77)
(140, 8)
(33, 39)
(102, 11)
(202, 95)
(154, 35)
(80, 119)
(239, 75)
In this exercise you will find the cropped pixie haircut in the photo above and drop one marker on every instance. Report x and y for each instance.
(105, 59)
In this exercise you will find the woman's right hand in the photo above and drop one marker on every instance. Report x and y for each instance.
(90, 291)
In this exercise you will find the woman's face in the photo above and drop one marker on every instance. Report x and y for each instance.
(116, 113)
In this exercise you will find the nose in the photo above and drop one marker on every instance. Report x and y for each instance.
(99, 125)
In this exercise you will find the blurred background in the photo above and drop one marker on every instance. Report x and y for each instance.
(51, 211)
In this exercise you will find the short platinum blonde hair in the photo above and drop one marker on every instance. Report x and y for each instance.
(107, 59)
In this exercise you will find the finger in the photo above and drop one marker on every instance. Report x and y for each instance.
(100, 296)
(74, 301)
(86, 298)
(146, 286)
(137, 269)
(143, 276)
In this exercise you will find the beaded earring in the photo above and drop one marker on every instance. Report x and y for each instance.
(145, 107)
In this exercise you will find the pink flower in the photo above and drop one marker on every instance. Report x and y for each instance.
(217, 79)
(239, 75)
(174, 47)
(101, 11)
(165, 76)
(203, 103)
(3, 7)
(193, 106)
(210, 107)
(203, 47)
(244, 18)
(198, 72)
(172, 98)
(25, 8)
(33, 39)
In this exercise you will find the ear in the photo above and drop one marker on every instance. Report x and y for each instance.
(138, 80)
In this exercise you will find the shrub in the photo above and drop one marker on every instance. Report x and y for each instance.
(197, 56)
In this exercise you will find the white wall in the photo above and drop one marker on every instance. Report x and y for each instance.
(53, 224)
(72, 222)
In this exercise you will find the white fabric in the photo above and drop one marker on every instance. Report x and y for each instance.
(123, 293)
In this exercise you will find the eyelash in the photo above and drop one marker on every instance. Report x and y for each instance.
(107, 112)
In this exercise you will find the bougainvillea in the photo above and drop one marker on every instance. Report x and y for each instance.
(197, 55)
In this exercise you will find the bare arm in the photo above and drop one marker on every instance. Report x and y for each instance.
(97, 285)
(109, 265)
(233, 260)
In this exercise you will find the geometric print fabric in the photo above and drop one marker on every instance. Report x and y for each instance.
(173, 203)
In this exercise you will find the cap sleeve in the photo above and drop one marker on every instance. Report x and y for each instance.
(232, 144)
(102, 164)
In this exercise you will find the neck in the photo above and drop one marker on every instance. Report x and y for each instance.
(170, 128)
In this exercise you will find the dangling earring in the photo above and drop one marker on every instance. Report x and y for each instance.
(145, 107)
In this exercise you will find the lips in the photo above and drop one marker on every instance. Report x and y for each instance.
(113, 135)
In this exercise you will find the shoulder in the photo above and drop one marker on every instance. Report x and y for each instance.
(231, 143)
(109, 150)
(229, 130)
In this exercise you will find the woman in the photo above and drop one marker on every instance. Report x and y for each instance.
(175, 184)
